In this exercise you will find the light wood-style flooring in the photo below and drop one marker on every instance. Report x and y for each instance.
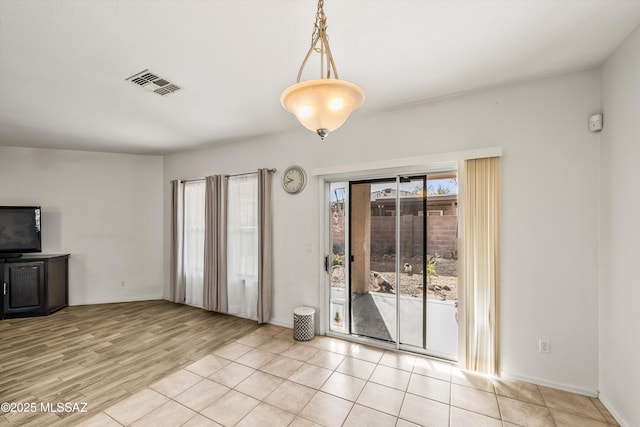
(100, 354)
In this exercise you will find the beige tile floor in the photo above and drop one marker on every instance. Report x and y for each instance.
(268, 379)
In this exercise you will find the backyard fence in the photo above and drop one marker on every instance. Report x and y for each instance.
(442, 234)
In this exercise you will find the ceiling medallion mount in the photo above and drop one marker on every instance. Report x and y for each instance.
(322, 105)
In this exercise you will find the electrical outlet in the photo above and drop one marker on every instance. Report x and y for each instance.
(543, 346)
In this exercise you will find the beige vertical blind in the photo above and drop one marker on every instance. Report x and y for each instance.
(482, 263)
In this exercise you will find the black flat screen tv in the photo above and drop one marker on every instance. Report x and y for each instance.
(20, 230)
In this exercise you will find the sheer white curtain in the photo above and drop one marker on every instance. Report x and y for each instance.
(242, 250)
(194, 242)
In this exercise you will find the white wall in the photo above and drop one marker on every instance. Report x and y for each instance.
(620, 232)
(103, 209)
(550, 204)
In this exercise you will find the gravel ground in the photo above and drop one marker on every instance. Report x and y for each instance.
(409, 285)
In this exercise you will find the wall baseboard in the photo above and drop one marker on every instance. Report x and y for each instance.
(288, 325)
(559, 386)
(611, 409)
(153, 297)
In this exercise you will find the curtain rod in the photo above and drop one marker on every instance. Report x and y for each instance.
(273, 170)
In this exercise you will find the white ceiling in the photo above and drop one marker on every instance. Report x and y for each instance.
(63, 63)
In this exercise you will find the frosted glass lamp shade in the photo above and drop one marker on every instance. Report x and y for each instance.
(322, 105)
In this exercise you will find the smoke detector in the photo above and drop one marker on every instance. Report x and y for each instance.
(153, 83)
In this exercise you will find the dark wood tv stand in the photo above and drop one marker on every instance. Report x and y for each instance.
(34, 285)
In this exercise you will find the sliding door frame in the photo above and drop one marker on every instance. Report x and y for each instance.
(416, 170)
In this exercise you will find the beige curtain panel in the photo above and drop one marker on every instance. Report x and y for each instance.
(176, 281)
(482, 263)
(215, 244)
(265, 240)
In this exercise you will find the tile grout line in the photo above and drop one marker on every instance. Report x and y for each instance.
(333, 370)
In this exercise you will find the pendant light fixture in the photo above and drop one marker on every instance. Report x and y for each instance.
(322, 105)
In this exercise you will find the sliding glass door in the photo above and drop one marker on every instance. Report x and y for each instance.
(412, 302)
(393, 265)
(336, 263)
(372, 278)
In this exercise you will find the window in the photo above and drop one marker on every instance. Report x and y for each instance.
(242, 245)
(194, 242)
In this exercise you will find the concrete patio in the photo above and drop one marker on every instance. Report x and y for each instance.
(374, 315)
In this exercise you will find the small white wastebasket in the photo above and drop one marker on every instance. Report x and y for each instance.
(303, 323)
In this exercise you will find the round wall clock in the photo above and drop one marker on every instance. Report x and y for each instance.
(294, 179)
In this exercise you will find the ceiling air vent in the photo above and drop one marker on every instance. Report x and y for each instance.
(153, 83)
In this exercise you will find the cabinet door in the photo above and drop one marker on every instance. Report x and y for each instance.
(24, 288)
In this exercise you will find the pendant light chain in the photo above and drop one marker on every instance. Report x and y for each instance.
(320, 16)
(319, 32)
(319, 35)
